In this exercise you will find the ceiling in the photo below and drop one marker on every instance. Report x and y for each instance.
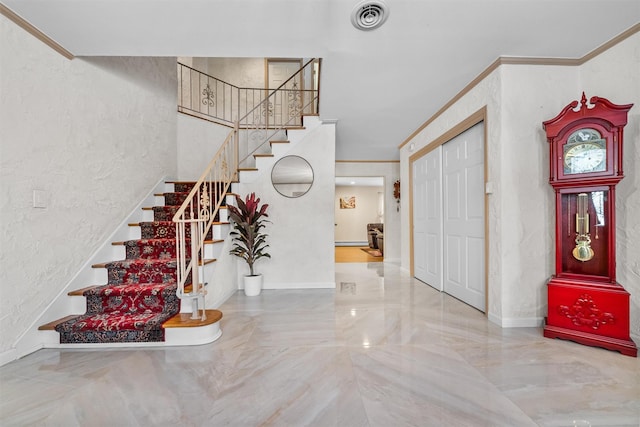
(379, 85)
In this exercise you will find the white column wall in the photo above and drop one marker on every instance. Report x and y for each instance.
(95, 135)
(615, 75)
(301, 234)
(391, 172)
(530, 95)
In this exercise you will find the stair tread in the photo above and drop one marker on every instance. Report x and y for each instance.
(131, 321)
(146, 261)
(184, 320)
(52, 325)
(279, 141)
(122, 243)
(80, 292)
(263, 155)
(137, 224)
(247, 169)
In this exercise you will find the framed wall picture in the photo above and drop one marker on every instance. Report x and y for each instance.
(348, 202)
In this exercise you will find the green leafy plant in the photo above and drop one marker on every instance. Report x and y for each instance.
(248, 219)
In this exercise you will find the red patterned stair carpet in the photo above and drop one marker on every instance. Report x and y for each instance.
(140, 294)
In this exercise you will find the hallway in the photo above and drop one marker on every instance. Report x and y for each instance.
(382, 349)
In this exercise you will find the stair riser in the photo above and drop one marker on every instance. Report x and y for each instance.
(162, 230)
(165, 301)
(151, 249)
(137, 273)
(175, 199)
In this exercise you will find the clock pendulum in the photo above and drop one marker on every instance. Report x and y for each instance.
(582, 251)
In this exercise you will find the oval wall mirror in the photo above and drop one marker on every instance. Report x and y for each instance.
(292, 176)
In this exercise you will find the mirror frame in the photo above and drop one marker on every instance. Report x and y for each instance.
(304, 169)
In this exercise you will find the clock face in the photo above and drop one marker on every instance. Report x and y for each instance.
(585, 152)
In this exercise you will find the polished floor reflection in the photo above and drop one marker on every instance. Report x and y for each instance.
(382, 349)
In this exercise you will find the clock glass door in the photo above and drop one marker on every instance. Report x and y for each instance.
(585, 233)
(584, 152)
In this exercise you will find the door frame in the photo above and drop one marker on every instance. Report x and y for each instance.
(469, 122)
(268, 61)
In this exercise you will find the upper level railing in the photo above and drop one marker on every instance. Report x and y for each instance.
(277, 110)
(209, 98)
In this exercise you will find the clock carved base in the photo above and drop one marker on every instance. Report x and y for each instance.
(626, 347)
(594, 314)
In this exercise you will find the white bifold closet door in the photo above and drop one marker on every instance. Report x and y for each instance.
(449, 217)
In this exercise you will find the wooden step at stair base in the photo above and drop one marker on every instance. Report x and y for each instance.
(182, 330)
(51, 326)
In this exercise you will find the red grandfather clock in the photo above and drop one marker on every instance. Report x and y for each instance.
(586, 304)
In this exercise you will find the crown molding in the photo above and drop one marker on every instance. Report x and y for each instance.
(22, 23)
(367, 161)
(515, 60)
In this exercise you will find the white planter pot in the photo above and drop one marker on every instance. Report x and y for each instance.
(252, 285)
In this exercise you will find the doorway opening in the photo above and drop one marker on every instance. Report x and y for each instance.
(359, 219)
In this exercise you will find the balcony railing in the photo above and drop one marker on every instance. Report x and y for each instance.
(210, 98)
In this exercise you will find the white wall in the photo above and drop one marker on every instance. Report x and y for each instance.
(242, 72)
(95, 135)
(351, 224)
(301, 233)
(392, 215)
(198, 142)
(521, 209)
(615, 75)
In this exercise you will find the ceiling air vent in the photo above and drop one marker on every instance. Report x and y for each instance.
(369, 14)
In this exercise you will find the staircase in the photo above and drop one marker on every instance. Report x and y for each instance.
(156, 294)
(138, 304)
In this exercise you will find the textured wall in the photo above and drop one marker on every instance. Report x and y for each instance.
(198, 142)
(521, 236)
(615, 75)
(242, 72)
(94, 135)
(301, 233)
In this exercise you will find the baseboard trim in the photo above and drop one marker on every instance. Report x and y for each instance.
(352, 243)
(8, 356)
(516, 322)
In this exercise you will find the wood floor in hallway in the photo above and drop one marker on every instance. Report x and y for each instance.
(354, 254)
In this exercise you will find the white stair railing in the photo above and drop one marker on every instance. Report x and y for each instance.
(196, 217)
(282, 109)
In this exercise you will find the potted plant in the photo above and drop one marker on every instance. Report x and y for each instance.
(248, 219)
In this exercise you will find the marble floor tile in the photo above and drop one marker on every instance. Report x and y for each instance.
(382, 349)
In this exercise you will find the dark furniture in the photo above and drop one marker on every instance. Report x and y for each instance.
(375, 232)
